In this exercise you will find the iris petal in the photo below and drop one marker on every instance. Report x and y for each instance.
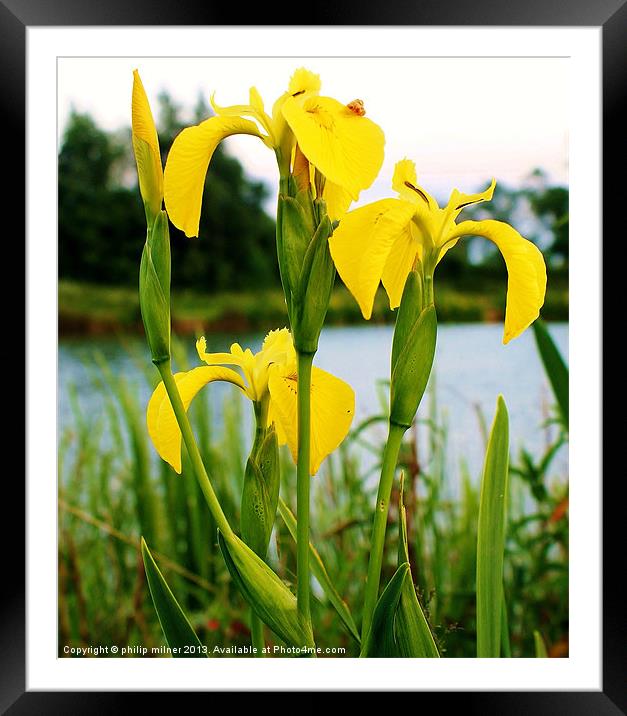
(161, 421)
(337, 200)
(399, 264)
(345, 147)
(526, 283)
(187, 166)
(405, 182)
(361, 245)
(332, 411)
(460, 200)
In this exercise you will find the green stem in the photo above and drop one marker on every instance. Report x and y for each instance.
(165, 369)
(303, 480)
(428, 298)
(256, 630)
(377, 541)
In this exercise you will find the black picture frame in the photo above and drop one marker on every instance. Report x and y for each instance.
(611, 16)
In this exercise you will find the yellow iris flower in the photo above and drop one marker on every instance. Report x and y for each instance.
(385, 240)
(342, 144)
(267, 376)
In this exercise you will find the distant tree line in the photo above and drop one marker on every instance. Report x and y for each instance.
(102, 225)
(101, 219)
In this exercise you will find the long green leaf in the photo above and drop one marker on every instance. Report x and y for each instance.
(320, 573)
(399, 627)
(381, 641)
(491, 536)
(411, 628)
(541, 652)
(555, 367)
(176, 628)
(505, 643)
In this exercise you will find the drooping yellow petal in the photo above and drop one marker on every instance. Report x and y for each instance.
(332, 411)
(361, 245)
(526, 283)
(146, 148)
(187, 166)
(337, 200)
(405, 182)
(346, 147)
(398, 265)
(160, 419)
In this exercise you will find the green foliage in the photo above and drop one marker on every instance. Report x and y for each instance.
(381, 639)
(320, 573)
(491, 536)
(177, 630)
(540, 646)
(113, 488)
(101, 231)
(554, 366)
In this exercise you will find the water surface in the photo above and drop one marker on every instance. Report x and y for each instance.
(472, 368)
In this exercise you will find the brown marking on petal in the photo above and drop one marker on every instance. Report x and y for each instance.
(468, 203)
(421, 194)
(357, 107)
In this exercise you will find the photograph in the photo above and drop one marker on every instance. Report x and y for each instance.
(313, 356)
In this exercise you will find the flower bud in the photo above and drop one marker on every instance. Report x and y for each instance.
(316, 281)
(260, 494)
(147, 153)
(154, 288)
(271, 600)
(413, 350)
(293, 236)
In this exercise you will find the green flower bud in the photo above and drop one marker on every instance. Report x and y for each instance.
(271, 600)
(260, 494)
(413, 349)
(293, 236)
(154, 288)
(314, 292)
(307, 270)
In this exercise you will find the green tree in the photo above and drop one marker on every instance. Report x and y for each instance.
(101, 220)
(101, 223)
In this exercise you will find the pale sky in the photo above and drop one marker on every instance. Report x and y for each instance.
(462, 120)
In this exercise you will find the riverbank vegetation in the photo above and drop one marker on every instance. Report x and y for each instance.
(92, 309)
(112, 489)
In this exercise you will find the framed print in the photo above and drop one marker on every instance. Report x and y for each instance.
(314, 356)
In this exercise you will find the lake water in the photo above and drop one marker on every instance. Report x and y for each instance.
(472, 368)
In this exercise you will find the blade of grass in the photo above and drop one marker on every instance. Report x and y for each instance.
(554, 365)
(541, 652)
(491, 536)
(505, 644)
(320, 573)
(176, 628)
